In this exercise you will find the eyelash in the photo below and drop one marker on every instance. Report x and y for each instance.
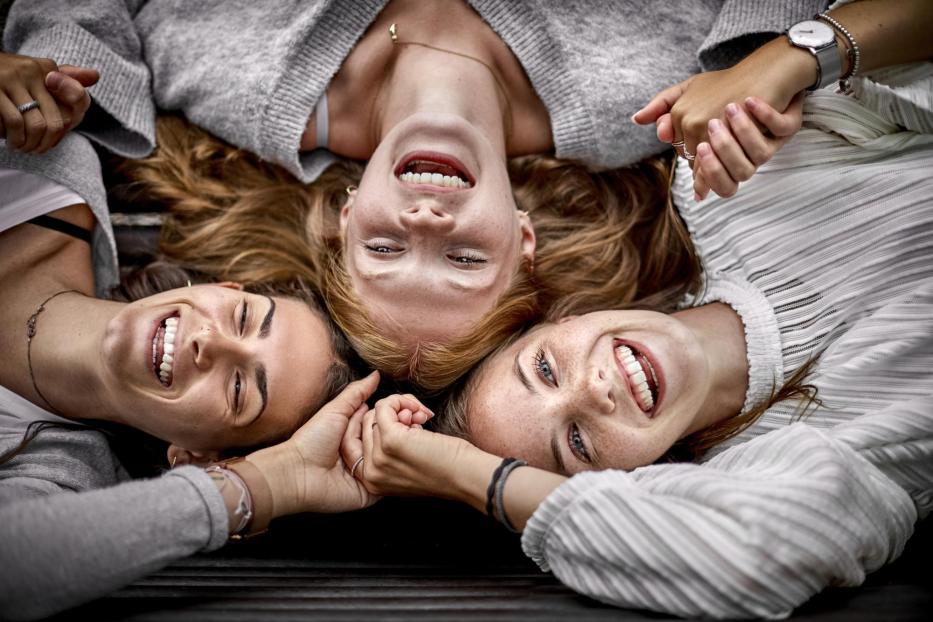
(468, 259)
(575, 440)
(543, 368)
(243, 318)
(236, 395)
(382, 249)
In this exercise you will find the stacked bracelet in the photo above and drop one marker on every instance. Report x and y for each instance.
(852, 52)
(495, 504)
(254, 509)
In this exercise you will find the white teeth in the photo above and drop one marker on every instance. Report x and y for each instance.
(435, 179)
(169, 337)
(169, 348)
(167, 360)
(638, 376)
(166, 367)
(171, 321)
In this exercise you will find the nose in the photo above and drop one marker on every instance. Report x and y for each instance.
(209, 346)
(427, 217)
(596, 390)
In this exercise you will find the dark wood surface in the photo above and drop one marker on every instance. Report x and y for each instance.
(409, 559)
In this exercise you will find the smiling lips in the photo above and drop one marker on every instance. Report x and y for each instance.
(163, 351)
(640, 375)
(434, 169)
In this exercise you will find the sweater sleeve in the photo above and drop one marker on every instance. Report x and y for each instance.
(754, 532)
(745, 25)
(98, 34)
(66, 542)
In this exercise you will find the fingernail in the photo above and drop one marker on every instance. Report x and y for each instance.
(54, 80)
(714, 126)
(732, 110)
(697, 197)
(751, 102)
(704, 150)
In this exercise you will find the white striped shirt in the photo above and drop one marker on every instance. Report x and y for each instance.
(827, 251)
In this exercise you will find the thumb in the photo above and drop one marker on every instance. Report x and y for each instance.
(660, 104)
(85, 75)
(353, 396)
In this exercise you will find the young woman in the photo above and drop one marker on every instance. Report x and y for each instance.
(201, 367)
(821, 272)
(437, 96)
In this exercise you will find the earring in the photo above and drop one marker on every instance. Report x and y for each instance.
(174, 458)
(393, 33)
(189, 282)
(350, 190)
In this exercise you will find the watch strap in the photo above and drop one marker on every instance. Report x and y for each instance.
(830, 66)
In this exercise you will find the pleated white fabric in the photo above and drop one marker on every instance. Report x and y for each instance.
(836, 235)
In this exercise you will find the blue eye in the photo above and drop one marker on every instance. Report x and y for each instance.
(575, 440)
(544, 368)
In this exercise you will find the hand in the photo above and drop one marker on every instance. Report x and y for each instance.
(773, 74)
(735, 151)
(305, 472)
(402, 458)
(60, 92)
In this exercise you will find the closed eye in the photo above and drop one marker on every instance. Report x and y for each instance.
(243, 318)
(467, 258)
(237, 385)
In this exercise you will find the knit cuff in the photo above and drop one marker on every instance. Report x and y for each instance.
(744, 26)
(123, 91)
(285, 115)
(213, 503)
(762, 336)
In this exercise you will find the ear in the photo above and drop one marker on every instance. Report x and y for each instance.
(178, 456)
(529, 242)
(231, 285)
(345, 213)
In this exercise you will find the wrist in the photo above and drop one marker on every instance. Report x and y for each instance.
(793, 69)
(277, 465)
(472, 470)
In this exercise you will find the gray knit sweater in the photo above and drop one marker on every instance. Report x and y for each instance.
(251, 72)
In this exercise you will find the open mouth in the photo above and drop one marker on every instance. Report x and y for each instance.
(439, 171)
(163, 350)
(638, 370)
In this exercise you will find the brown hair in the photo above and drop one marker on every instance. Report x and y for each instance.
(608, 238)
(454, 410)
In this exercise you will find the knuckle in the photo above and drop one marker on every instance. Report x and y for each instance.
(15, 124)
(35, 124)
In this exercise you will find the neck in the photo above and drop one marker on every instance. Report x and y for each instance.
(67, 357)
(722, 337)
(446, 60)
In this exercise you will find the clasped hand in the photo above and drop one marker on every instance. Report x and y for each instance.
(60, 91)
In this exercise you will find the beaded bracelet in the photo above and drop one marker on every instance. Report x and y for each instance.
(853, 53)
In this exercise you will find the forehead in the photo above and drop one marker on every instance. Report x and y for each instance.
(297, 355)
(505, 418)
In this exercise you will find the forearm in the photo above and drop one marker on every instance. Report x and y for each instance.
(67, 548)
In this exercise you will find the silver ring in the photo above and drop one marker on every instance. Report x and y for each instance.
(23, 108)
(678, 143)
(358, 462)
(690, 157)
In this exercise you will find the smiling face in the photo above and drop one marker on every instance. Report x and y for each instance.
(611, 389)
(212, 367)
(432, 236)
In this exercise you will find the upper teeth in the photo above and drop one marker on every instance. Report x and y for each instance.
(435, 179)
(168, 348)
(637, 375)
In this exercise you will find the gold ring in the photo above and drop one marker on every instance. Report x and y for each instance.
(358, 462)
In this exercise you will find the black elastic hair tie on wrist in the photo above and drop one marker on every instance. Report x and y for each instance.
(491, 490)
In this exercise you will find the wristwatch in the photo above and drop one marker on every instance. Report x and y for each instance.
(820, 40)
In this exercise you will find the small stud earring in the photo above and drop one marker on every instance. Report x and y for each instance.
(350, 190)
(189, 282)
(393, 33)
(174, 458)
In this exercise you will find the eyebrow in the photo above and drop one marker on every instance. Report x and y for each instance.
(517, 370)
(266, 325)
(555, 449)
(261, 383)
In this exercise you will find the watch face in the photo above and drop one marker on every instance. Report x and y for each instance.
(812, 34)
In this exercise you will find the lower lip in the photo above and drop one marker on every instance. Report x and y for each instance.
(437, 158)
(658, 372)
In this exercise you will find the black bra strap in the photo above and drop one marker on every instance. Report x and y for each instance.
(62, 226)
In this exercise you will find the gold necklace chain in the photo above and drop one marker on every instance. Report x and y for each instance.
(393, 35)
